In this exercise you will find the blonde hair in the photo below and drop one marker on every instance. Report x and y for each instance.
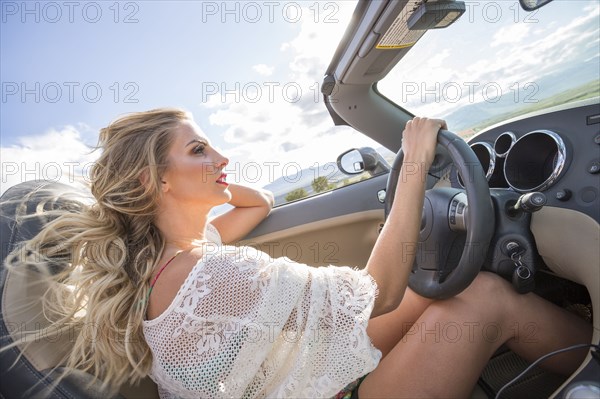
(108, 251)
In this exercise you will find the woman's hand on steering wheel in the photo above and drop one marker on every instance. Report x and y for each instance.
(419, 140)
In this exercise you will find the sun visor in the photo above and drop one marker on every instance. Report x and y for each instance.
(398, 35)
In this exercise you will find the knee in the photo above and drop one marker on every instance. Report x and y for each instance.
(489, 296)
(488, 289)
(490, 283)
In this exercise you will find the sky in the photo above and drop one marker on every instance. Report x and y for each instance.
(503, 50)
(249, 72)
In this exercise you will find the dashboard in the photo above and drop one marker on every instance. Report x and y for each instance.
(556, 152)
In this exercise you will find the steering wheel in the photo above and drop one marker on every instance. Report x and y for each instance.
(453, 239)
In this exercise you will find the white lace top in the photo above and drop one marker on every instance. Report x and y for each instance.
(244, 325)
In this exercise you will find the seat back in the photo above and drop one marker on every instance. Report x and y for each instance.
(30, 371)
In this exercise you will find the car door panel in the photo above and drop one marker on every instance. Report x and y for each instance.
(339, 227)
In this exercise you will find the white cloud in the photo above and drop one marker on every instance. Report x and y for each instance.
(58, 155)
(263, 69)
(510, 34)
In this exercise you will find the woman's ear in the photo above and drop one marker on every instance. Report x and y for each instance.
(164, 186)
(145, 180)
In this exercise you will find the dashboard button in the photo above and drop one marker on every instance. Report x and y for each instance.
(597, 139)
(537, 199)
(588, 194)
(563, 195)
(594, 167)
(593, 119)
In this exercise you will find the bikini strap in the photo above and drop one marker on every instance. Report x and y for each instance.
(158, 274)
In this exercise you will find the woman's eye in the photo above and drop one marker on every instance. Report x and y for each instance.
(199, 149)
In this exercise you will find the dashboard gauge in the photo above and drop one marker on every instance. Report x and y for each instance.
(535, 161)
(487, 158)
(504, 143)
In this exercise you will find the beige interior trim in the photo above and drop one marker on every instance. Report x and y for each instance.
(343, 240)
(569, 243)
(321, 224)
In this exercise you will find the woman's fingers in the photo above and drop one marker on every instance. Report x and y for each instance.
(420, 137)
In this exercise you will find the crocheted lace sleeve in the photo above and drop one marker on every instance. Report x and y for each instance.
(246, 325)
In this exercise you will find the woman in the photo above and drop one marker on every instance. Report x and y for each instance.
(167, 298)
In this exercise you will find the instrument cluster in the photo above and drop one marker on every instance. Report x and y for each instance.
(532, 162)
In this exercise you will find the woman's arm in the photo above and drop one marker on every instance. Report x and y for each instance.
(251, 206)
(394, 252)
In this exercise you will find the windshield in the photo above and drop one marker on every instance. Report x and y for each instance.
(499, 61)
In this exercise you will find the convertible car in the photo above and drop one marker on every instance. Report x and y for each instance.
(514, 189)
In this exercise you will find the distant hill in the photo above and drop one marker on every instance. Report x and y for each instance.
(550, 89)
(303, 179)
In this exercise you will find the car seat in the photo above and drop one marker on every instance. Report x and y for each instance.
(32, 372)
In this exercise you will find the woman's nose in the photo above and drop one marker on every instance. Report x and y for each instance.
(223, 161)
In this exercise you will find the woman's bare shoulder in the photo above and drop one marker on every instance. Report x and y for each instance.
(171, 279)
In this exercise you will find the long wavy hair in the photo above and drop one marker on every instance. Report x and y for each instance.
(108, 250)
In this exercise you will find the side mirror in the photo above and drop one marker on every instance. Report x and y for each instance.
(365, 159)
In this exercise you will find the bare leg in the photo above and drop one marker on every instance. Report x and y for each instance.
(546, 328)
(442, 355)
(386, 330)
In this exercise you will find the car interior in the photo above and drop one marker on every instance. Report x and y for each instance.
(521, 198)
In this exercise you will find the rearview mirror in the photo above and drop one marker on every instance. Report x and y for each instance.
(435, 15)
(358, 160)
(530, 5)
